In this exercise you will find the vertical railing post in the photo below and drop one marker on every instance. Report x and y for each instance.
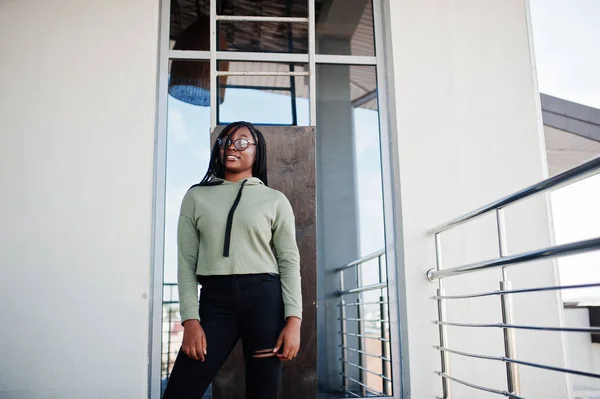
(170, 310)
(385, 336)
(441, 305)
(361, 347)
(360, 326)
(343, 336)
(512, 369)
(343, 339)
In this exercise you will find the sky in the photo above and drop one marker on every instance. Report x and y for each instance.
(566, 36)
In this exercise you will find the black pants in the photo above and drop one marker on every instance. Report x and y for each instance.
(249, 307)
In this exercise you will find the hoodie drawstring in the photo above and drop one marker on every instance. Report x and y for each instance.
(230, 221)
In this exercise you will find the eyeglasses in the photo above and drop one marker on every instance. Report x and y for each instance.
(239, 144)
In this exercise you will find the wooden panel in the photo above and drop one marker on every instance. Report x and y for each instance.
(291, 170)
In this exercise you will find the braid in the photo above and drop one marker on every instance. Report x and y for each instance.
(216, 168)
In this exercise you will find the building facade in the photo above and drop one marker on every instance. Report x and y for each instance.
(443, 96)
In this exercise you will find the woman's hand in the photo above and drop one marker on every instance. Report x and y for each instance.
(194, 340)
(290, 339)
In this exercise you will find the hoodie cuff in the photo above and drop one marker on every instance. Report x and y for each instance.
(293, 311)
(190, 313)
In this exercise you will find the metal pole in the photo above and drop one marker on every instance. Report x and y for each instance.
(512, 370)
(361, 342)
(312, 64)
(169, 339)
(360, 325)
(385, 334)
(343, 336)
(501, 226)
(344, 344)
(385, 347)
(213, 65)
(446, 392)
(290, 39)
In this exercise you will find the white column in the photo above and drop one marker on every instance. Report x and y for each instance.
(77, 122)
(337, 214)
(466, 124)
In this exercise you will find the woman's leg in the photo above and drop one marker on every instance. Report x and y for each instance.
(190, 378)
(260, 327)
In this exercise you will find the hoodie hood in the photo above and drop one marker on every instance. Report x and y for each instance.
(252, 181)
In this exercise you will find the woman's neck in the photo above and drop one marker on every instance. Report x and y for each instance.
(235, 177)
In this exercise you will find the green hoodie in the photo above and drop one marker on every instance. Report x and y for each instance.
(222, 232)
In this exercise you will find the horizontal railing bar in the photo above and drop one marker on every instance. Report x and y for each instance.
(204, 55)
(362, 303)
(345, 59)
(256, 73)
(481, 388)
(364, 288)
(241, 56)
(357, 262)
(365, 353)
(364, 336)
(244, 18)
(266, 88)
(367, 320)
(520, 291)
(570, 176)
(522, 362)
(363, 385)
(592, 330)
(367, 370)
(556, 250)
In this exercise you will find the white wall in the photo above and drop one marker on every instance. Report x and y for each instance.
(77, 123)
(584, 354)
(467, 117)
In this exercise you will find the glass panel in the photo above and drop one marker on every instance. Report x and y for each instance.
(352, 226)
(264, 8)
(190, 26)
(345, 27)
(268, 37)
(281, 100)
(187, 159)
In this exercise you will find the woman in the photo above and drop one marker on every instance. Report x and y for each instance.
(236, 237)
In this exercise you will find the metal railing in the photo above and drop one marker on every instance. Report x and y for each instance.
(506, 293)
(172, 331)
(364, 335)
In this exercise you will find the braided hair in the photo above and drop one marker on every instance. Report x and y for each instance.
(216, 168)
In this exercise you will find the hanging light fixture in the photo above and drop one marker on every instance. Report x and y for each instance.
(190, 79)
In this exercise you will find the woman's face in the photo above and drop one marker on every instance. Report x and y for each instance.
(238, 161)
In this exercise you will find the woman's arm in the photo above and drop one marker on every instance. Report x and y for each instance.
(187, 260)
(288, 258)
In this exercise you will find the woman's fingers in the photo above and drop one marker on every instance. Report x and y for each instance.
(192, 353)
(279, 343)
(289, 353)
(204, 344)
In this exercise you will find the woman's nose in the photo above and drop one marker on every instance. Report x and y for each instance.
(231, 146)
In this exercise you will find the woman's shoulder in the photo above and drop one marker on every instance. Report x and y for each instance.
(273, 193)
(279, 200)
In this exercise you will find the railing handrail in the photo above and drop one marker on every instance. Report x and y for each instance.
(357, 262)
(364, 288)
(553, 251)
(580, 172)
